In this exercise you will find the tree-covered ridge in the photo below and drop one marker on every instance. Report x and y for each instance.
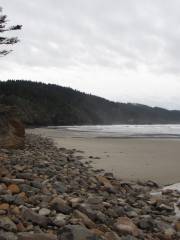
(48, 104)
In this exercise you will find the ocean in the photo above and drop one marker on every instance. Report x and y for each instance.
(155, 131)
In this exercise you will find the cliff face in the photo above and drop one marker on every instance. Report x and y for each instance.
(12, 132)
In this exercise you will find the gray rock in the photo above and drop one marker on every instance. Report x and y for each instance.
(60, 220)
(101, 217)
(35, 218)
(76, 232)
(60, 205)
(147, 224)
(36, 184)
(128, 237)
(18, 200)
(86, 208)
(120, 212)
(125, 226)
(29, 189)
(7, 224)
(8, 198)
(60, 187)
(132, 214)
(44, 212)
(84, 218)
(112, 236)
(94, 200)
(165, 207)
(27, 176)
(7, 235)
(36, 236)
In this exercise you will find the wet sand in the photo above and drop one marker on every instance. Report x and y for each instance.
(128, 158)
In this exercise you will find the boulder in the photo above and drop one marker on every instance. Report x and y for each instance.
(12, 132)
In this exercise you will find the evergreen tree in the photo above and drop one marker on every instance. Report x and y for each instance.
(4, 40)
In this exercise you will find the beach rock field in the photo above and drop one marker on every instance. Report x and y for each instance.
(47, 193)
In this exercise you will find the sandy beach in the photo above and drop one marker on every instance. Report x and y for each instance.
(128, 158)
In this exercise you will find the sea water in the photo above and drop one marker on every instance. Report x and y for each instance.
(163, 130)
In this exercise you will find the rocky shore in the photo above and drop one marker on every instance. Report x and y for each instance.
(47, 193)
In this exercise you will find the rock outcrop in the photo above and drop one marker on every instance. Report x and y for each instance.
(12, 132)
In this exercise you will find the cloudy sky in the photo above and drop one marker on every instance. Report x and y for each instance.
(123, 50)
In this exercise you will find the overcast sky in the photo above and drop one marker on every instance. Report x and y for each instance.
(123, 50)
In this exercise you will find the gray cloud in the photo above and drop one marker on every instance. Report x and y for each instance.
(99, 34)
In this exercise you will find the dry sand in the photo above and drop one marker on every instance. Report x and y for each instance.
(128, 158)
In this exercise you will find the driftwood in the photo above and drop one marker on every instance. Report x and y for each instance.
(12, 180)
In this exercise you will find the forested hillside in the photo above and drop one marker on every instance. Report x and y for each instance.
(47, 104)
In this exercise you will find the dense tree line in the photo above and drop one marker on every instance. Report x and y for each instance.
(48, 104)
